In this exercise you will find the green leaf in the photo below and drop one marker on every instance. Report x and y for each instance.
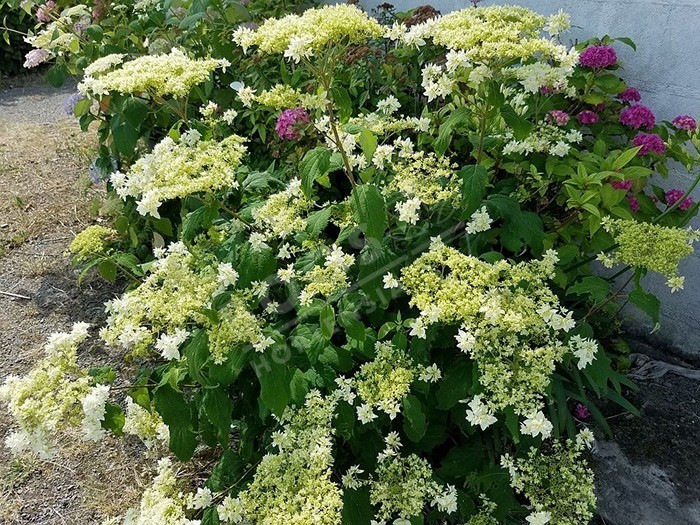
(353, 328)
(414, 423)
(314, 165)
(298, 387)
(57, 74)
(317, 221)
(197, 352)
(114, 418)
(327, 321)
(175, 411)
(627, 41)
(255, 265)
(625, 158)
(647, 303)
(457, 117)
(474, 179)
(183, 442)
(218, 408)
(135, 111)
(368, 142)
(521, 127)
(274, 385)
(108, 270)
(124, 136)
(198, 220)
(210, 517)
(357, 509)
(369, 210)
(610, 83)
(456, 384)
(595, 287)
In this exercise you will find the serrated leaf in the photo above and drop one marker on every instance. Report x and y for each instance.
(197, 352)
(369, 210)
(647, 303)
(327, 321)
(625, 158)
(474, 179)
(520, 126)
(447, 128)
(114, 418)
(314, 165)
(353, 328)
(414, 423)
(368, 142)
(218, 408)
(317, 221)
(595, 287)
(274, 385)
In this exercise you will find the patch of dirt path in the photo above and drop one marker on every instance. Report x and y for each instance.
(45, 198)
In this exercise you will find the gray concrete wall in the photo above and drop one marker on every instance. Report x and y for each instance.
(666, 70)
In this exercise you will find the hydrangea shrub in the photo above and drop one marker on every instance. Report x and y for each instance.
(361, 263)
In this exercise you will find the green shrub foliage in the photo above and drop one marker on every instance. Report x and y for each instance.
(360, 255)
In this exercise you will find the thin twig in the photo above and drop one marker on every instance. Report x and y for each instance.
(16, 295)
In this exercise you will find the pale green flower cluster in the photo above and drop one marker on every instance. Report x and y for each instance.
(282, 96)
(403, 486)
(173, 74)
(163, 502)
(427, 177)
(384, 382)
(493, 33)
(510, 321)
(545, 138)
(236, 328)
(57, 36)
(49, 398)
(556, 480)
(172, 296)
(328, 279)
(294, 485)
(282, 213)
(316, 29)
(174, 170)
(651, 246)
(92, 242)
(145, 424)
(383, 124)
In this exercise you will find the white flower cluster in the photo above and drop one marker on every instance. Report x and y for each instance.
(54, 396)
(174, 170)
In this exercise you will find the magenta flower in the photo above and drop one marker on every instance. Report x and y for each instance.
(289, 123)
(587, 117)
(621, 184)
(672, 196)
(560, 118)
(650, 143)
(598, 57)
(634, 203)
(546, 90)
(630, 95)
(638, 116)
(581, 411)
(685, 122)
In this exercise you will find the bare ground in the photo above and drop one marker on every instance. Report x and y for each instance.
(45, 198)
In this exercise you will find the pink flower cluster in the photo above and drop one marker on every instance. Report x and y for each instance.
(43, 13)
(581, 411)
(36, 57)
(560, 118)
(685, 122)
(621, 184)
(638, 116)
(289, 122)
(587, 117)
(634, 203)
(630, 95)
(650, 143)
(673, 196)
(598, 57)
